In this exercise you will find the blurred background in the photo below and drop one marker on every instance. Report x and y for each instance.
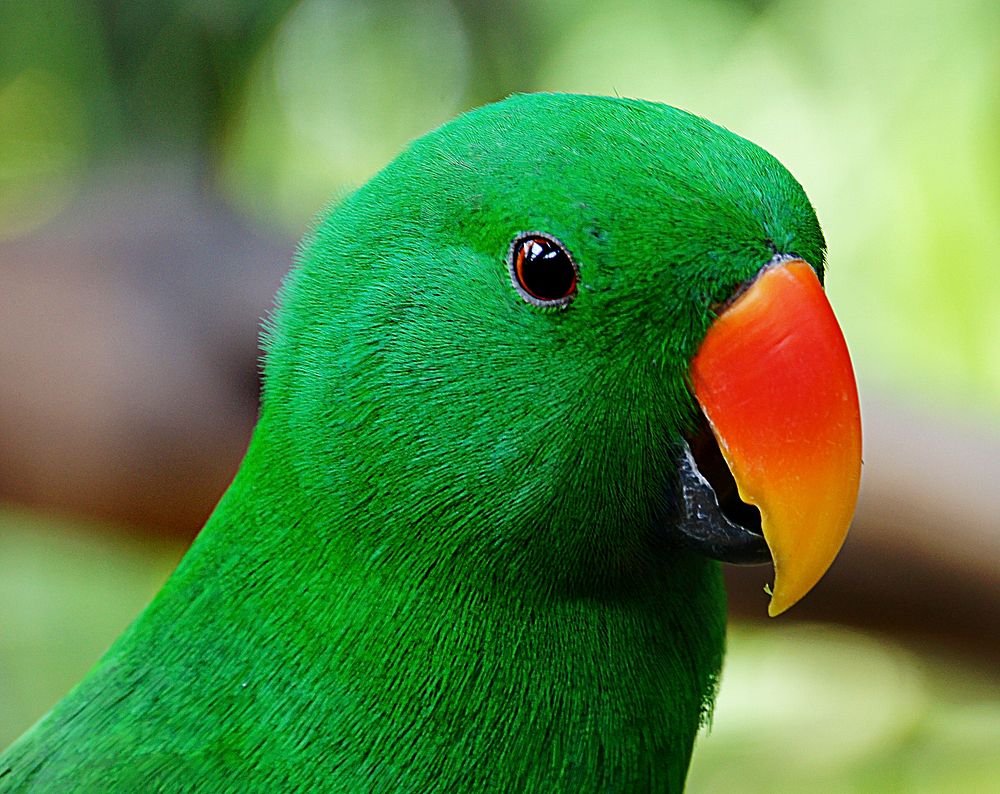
(158, 162)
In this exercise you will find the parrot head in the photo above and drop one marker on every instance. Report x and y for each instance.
(563, 338)
(524, 387)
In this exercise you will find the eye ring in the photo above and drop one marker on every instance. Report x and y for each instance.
(542, 269)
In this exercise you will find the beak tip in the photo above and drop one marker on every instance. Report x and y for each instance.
(779, 605)
(784, 598)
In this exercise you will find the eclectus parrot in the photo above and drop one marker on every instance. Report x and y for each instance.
(522, 391)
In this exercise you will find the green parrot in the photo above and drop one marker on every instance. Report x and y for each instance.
(523, 390)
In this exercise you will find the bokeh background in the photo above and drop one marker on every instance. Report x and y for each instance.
(158, 161)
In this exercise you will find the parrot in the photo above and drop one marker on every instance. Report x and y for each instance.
(523, 392)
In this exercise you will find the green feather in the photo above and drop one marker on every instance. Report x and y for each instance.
(443, 564)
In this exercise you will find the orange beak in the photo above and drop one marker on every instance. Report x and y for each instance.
(774, 379)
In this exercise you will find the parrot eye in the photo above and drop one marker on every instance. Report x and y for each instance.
(542, 270)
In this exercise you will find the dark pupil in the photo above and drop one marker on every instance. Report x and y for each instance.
(546, 271)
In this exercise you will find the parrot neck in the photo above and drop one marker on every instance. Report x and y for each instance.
(355, 674)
